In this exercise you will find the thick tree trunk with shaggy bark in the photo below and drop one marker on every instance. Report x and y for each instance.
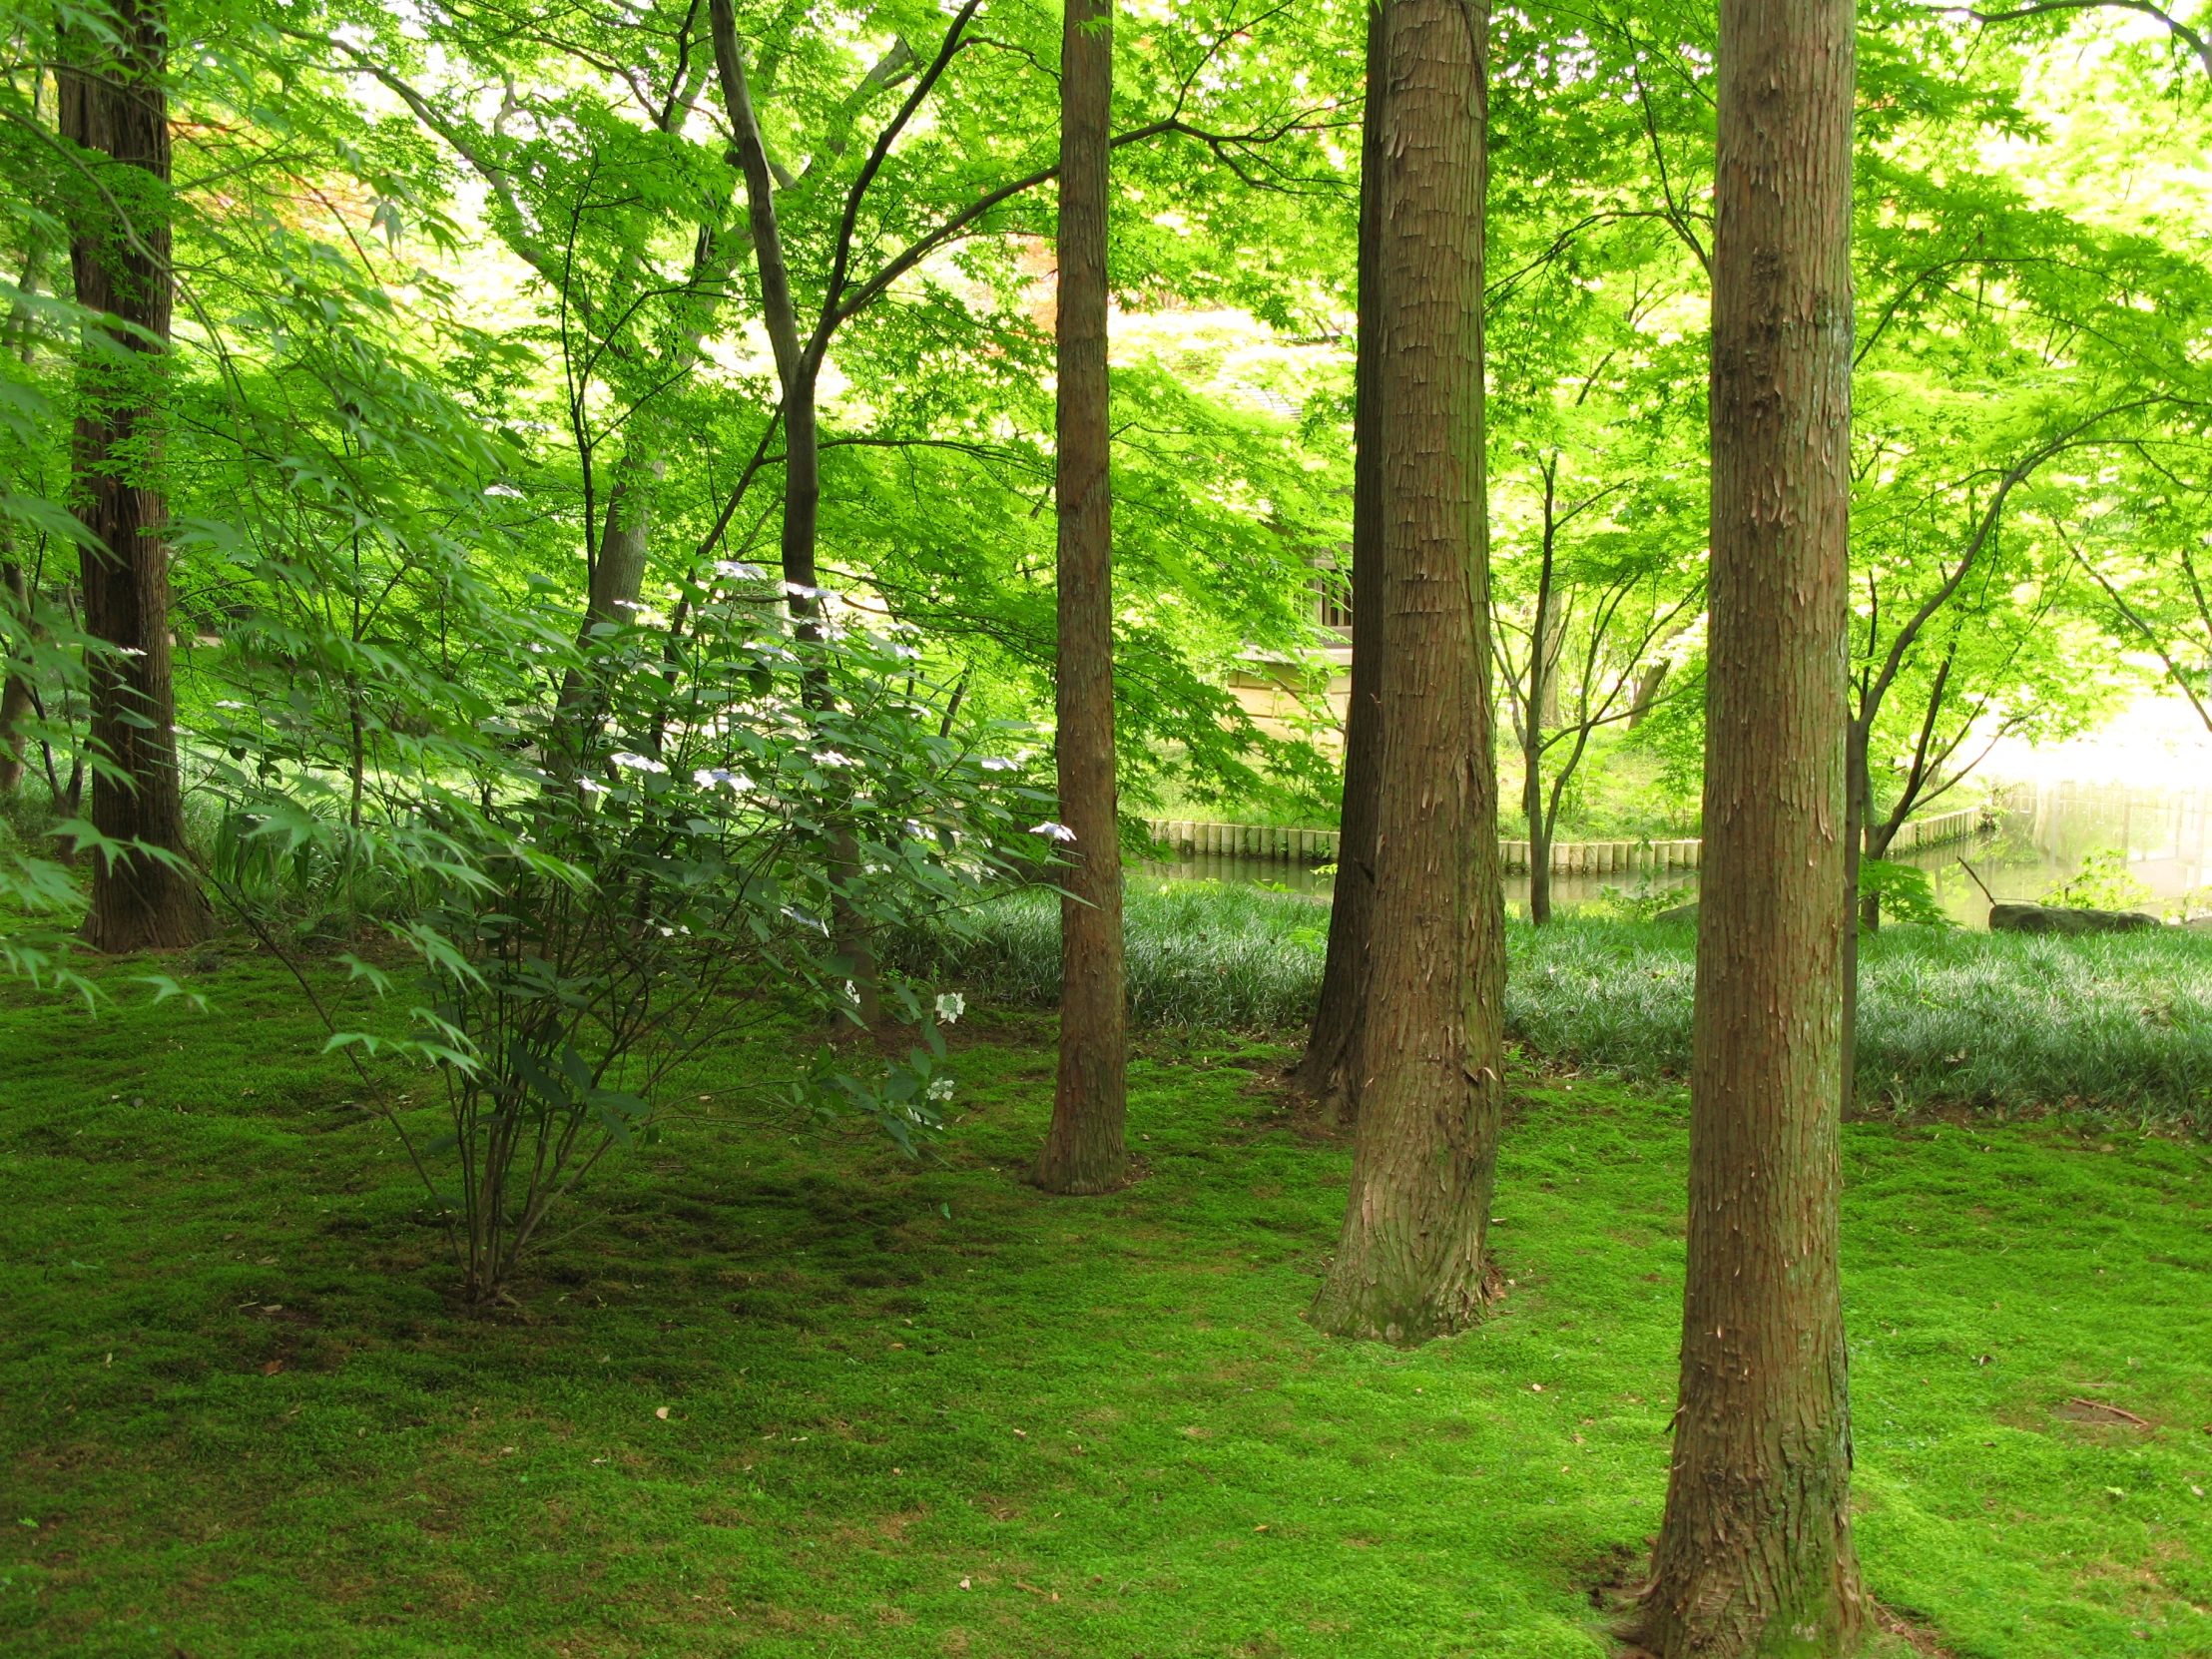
(1083, 1148)
(1755, 1556)
(113, 104)
(1327, 1071)
(1430, 1048)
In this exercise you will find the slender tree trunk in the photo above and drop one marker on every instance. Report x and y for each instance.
(17, 698)
(1327, 1071)
(1083, 1148)
(798, 369)
(1755, 1556)
(1542, 710)
(16, 702)
(618, 571)
(1409, 1262)
(1860, 910)
(1554, 642)
(1647, 692)
(113, 104)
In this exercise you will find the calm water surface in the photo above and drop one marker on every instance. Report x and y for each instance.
(2041, 837)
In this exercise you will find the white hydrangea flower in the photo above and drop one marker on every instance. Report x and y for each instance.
(831, 758)
(592, 786)
(1057, 832)
(735, 571)
(950, 1007)
(636, 763)
(1000, 763)
(708, 778)
(941, 1088)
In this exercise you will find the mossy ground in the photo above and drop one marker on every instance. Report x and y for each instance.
(924, 1410)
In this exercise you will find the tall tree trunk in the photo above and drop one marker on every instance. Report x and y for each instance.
(113, 103)
(1083, 1148)
(1409, 1263)
(1755, 1556)
(1327, 1071)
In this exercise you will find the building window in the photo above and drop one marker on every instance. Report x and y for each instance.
(1334, 605)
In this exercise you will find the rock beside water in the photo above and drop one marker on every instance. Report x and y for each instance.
(2052, 918)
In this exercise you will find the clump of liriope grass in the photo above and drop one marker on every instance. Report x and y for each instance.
(1220, 955)
(2121, 1023)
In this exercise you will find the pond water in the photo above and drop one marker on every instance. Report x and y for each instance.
(2041, 835)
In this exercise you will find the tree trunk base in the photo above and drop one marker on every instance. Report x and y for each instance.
(1358, 1305)
(141, 905)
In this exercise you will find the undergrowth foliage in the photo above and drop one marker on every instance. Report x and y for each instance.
(2003, 1021)
(603, 855)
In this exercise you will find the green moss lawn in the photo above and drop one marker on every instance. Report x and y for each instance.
(775, 1392)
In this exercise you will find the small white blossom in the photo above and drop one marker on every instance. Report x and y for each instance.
(738, 572)
(636, 763)
(800, 590)
(950, 1007)
(1000, 763)
(228, 704)
(708, 778)
(592, 786)
(503, 490)
(941, 1088)
(831, 758)
(1057, 832)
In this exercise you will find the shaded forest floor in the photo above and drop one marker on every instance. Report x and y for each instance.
(925, 1411)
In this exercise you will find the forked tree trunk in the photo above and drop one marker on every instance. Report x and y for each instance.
(1409, 1263)
(1083, 1148)
(1327, 1071)
(1755, 1556)
(113, 103)
(798, 371)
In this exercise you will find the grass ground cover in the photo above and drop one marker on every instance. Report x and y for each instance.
(2123, 1023)
(777, 1392)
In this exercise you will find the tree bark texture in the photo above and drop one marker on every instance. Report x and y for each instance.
(1755, 1556)
(113, 104)
(1327, 1071)
(1083, 1148)
(1431, 1053)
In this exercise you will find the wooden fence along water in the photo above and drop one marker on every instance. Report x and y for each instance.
(1189, 837)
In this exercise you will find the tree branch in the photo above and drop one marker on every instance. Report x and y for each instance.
(2180, 30)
